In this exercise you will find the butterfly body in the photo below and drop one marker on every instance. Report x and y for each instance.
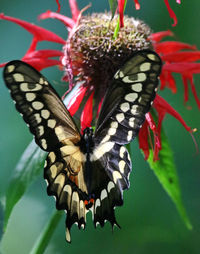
(89, 171)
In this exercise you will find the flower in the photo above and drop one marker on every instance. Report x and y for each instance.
(91, 55)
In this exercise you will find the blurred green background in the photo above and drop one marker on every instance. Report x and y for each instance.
(149, 220)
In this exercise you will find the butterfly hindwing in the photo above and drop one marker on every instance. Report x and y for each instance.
(129, 98)
(40, 106)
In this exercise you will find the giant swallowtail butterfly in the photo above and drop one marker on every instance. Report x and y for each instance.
(89, 171)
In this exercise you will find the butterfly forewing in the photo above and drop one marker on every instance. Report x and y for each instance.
(40, 106)
(129, 98)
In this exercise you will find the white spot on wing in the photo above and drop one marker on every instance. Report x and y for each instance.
(40, 130)
(151, 57)
(37, 105)
(131, 97)
(145, 66)
(122, 166)
(122, 151)
(37, 118)
(52, 157)
(51, 123)
(18, 77)
(116, 176)
(131, 122)
(105, 139)
(97, 203)
(137, 87)
(11, 68)
(111, 131)
(101, 150)
(53, 170)
(30, 96)
(130, 135)
(120, 117)
(134, 109)
(121, 74)
(24, 87)
(125, 106)
(110, 186)
(68, 237)
(103, 194)
(45, 114)
(43, 143)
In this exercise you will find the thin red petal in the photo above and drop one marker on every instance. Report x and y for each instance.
(44, 53)
(121, 12)
(183, 56)
(172, 46)
(183, 68)
(74, 9)
(86, 116)
(76, 100)
(65, 20)
(171, 13)
(150, 121)
(156, 37)
(58, 10)
(137, 5)
(41, 63)
(186, 94)
(156, 134)
(38, 32)
(143, 140)
(163, 107)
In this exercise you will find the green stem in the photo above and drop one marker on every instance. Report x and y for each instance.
(118, 26)
(45, 236)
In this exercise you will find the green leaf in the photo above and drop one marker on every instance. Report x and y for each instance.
(45, 236)
(28, 168)
(165, 171)
(113, 6)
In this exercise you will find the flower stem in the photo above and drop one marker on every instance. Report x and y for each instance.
(45, 236)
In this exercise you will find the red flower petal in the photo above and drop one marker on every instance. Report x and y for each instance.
(41, 63)
(171, 12)
(74, 9)
(137, 5)
(183, 56)
(65, 20)
(143, 140)
(57, 1)
(121, 12)
(167, 80)
(86, 116)
(156, 37)
(172, 46)
(44, 53)
(163, 107)
(156, 134)
(39, 33)
(76, 100)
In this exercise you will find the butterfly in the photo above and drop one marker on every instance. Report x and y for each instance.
(87, 172)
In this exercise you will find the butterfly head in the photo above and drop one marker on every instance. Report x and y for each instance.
(88, 133)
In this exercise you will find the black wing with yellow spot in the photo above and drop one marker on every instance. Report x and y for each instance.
(40, 106)
(129, 98)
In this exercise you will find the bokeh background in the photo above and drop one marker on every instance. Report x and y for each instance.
(149, 220)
